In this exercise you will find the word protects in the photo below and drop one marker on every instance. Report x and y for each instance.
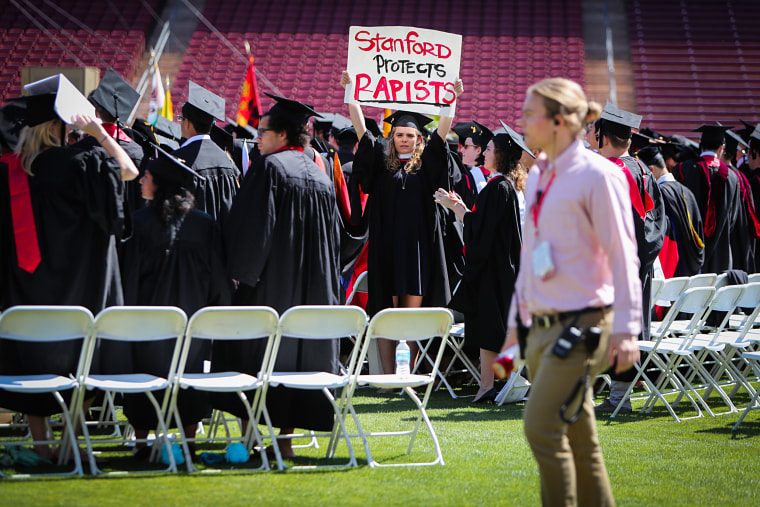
(406, 69)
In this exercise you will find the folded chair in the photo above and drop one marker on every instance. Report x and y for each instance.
(230, 323)
(410, 324)
(653, 369)
(321, 323)
(47, 325)
(138, 324)
(753, 358)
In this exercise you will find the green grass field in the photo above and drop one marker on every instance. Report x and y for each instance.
(652, 460)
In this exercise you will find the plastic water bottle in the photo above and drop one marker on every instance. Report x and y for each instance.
(403, 355)
(504, 363)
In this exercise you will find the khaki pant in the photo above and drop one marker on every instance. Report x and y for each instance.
(569, 457)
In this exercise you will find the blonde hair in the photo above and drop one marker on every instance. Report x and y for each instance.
(393, 163)
(566, 98)
(34, 140)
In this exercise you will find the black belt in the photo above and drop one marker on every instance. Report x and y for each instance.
(547, 321)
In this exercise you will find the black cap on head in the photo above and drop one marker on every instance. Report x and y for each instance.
(240, 131)
(640, 141)
(755, 135)
(409, 119)
(509, 138)
(167, 128)
(346, 135)
(12, 120)
(323, 121)
(143, 133)
(651, 155)
(202, 104)
(115, 95)
(618, 122)
(479, 133)
(40, 108)
(733, 141)
(172, 169)
(712, 135)
(297, 112)
(651, 133)
(746, 132)
(339, 123)
(372, 126)
(222, 138)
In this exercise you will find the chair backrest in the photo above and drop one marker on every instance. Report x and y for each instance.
(360, 285)
(703, 280)
(410, 324)
(672, 290)
(324, 322)
(750, 298)
(657, 285)
(753, 278)
(724, 300)
(722, 281)
(693, 301)
(45, 323)
(230, 323)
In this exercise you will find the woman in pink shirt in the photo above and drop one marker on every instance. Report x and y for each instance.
(578, 264)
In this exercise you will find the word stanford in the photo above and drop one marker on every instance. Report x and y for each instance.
(406, 68)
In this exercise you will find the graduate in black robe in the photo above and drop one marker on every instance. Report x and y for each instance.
(613, 134)
(492, 240)
(718, 194)
(73, 206)
(283, 239)
(407, 261)
(215, 193)
(473, 140)
(173, 258)
(685, 226)
(751, 169)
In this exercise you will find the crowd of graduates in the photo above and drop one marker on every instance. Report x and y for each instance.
(189, 214)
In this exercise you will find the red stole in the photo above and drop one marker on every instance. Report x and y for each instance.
(111, 129)
(705, 164)
(642, 206)
(24, 228)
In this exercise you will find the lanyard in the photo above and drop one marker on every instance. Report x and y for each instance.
(538, 201)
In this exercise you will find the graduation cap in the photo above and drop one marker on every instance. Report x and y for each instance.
(203, 104)
(618, 122)
(640, 141)
(53, 97)
(170, 168)
(115, 95)
(323, 121)
(346, 134)
(755, 134)
(297, 112)
(746, 132)
(409, 119)
(372, 126)
(167, 129)
(222, 138)
(651, 155)
(12, 120)
(142, 133)
(651, 133)
(240, 131)
(510, 138)
(733, 141)
(340, 122)
(479, 133)
(712, 135)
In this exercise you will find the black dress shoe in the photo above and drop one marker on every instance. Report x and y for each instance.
(489, 395)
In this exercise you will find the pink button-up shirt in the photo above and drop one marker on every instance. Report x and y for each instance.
(585, 216)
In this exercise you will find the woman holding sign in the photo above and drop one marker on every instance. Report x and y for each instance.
(407, 261)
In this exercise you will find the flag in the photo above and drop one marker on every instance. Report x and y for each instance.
(387, 126)
(249, 110)
(341, 190)
(167, 111)
(156, 96)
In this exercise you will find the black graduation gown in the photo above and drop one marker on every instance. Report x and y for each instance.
(132, 189)
(383, 189)
(683, 214)
(216, 193)
(743, 235)
(180, 265)
(465, 185)
(77, 199)
(355, 233)
(726, 196)
(283, 245)
(753, 177)
(650, 233)
(493, 239)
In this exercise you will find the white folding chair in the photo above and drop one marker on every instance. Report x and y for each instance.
(456, 343)
(753, 278)
(753, 358)
(230, 323)
(657, 285)
(703, 280)
(321, 323)
(692, 301)
(360, 285)
(46, 325)
(135, 324)
(410, 324)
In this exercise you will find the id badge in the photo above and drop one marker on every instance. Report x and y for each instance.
(543, 267)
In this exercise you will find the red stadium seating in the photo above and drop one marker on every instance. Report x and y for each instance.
(695, 62)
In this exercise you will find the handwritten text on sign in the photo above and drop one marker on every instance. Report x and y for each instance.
(399, 67)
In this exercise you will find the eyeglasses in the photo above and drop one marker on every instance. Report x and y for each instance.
(262, 131)
(180, 117)
(470, 146)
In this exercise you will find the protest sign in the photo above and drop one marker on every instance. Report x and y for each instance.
(401, 67)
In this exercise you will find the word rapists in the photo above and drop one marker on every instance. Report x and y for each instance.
(404, 91)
